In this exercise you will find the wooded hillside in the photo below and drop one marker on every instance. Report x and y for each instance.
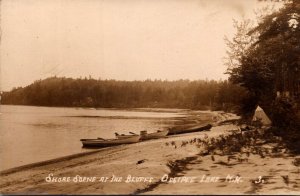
(61, 91)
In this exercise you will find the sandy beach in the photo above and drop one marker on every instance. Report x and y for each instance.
(170, 165)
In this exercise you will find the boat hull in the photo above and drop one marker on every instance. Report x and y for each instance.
(148, 136)
(155, 135)
(190, 130)
(107, 143)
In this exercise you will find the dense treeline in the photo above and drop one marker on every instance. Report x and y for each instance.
(61, 91)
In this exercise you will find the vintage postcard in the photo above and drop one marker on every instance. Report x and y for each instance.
(160, 97)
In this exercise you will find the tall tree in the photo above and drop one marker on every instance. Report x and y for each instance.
(270, 61)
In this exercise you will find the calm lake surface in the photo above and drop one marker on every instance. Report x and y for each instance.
(30, 134)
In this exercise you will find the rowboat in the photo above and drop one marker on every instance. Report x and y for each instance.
(155, 135)
(123, 136)
(190, 130)
(145, 135)
(100, 142)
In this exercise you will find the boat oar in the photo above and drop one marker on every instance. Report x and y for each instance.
(132, 133)
(100, 138)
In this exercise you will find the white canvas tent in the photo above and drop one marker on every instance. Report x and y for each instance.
(260, 115)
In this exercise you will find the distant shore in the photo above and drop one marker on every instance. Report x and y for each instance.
(162, 166)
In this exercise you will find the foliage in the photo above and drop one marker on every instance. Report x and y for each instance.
(250, 141)
(283, 113)
(266, 57)
(56, 91)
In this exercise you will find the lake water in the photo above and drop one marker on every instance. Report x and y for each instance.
(31, 134)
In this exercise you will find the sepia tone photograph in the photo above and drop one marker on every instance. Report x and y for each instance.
(160, 97)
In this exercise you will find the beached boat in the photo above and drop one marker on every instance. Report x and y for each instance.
(123, 136)
(100, 142)
(155, 135)
(145, 135)
(190, 130)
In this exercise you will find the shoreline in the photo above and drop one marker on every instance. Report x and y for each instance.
(185, 122)
(120, 161)
(61, 125)
(68, 157)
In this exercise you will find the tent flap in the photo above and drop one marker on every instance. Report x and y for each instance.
(260, 115)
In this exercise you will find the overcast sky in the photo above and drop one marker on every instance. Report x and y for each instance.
(116, 39)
